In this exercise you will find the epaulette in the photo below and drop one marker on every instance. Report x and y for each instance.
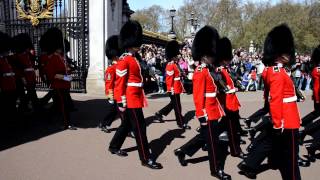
(199, 68)
(276, 69)
(219, 69)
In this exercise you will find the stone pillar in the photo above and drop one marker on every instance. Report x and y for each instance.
(95, 80)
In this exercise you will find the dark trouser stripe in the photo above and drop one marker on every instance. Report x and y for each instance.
(139, 134)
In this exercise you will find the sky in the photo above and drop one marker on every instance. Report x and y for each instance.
(167, 4)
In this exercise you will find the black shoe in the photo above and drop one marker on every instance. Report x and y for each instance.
(220, 174)
(247, 121)
(181, 157)
(119, 152)
(247, 171)
(252, 133)
(198, 129)
(242, 141)
(152, 164)
(186, 126)
(105, 129)
(311, 155)
(205, 147)
(243, 133)
(302, 135)
(158, 117)
(303, 163)
(70, 127)
(249, 148)
(131, 134)
(242, 155)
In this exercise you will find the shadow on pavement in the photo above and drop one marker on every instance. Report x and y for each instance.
(157, 96)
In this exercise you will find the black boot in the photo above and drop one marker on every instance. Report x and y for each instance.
(303, 163)
(152, 164)
(186, 126)
(247, 171)
(252, 133)
(181, 157)
(220, 174)
(311, 154)
(119, 152)
(158, 117)
(247, 121)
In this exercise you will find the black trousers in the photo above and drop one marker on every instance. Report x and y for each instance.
(286, 149)
(208, 135)
(61, 101)
(24, 97)
(311, 116)
(231, 126)
(8, 100)
(315, 145)
(133, 120)
(175, 104)
(111, 114)
(312, 128)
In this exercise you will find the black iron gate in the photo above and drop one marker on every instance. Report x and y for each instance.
(72, 17)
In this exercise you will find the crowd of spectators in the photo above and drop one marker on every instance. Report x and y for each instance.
(246, 68)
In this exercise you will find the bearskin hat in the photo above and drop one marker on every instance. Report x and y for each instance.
(205, 43)
(53, 40)
(6, 43)
(130, 35)
(315, 58)
(172, 49)
(279, 41)
(22, 42)
(224, 49)
(112, 47)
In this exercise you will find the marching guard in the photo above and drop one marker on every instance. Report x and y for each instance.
(8, 94)
(174, 85)
(113, 54)
(229, 99)
(58, 75)
(130, 96)
(208, 108)
(279, 51)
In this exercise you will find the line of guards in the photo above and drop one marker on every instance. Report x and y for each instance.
(214, 95)
(216, 104)
(18, 75)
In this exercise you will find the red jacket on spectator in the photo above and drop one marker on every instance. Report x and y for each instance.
(283, 100)
(173, 78)
(253, 75)
(204, 95)
(316, 84)
(229, 99)
(57, 65)
(7, 76)
(128, 91)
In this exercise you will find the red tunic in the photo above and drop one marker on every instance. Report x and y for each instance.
(229, 99)
(316, 84)
(173, 78)
(56, 65)
(110, 78)
(7, 76)
(204, 95)
(283, 100)
(129, 82)
(26, 68)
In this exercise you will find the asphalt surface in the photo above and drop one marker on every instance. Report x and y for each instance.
(35, 148)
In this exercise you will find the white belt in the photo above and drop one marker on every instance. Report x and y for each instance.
(290, 99)
(231, 91)
(8, 74)
(210, 94)
(177, 79)
(135, 84)
(28, 69)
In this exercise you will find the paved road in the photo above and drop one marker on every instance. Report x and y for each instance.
(37, 150)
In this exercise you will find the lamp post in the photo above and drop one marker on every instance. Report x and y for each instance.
(194, 23)
(172, 34)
